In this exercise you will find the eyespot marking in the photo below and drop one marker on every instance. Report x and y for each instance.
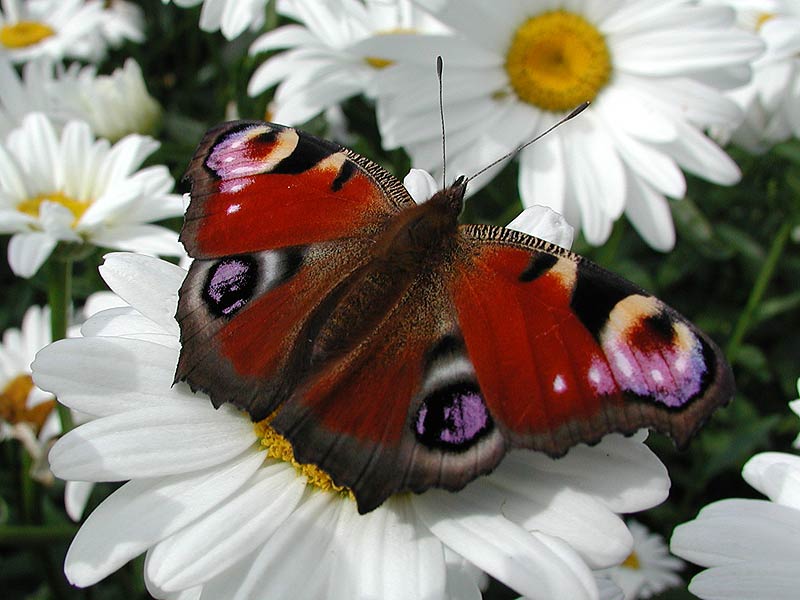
(452, 418)
(230, 285)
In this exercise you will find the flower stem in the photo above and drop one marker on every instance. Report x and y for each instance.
(59, 295)
(32, 536)
(757, 293)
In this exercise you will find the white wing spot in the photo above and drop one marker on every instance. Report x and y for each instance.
(623, 363)
(233, 208)
(559, 385)
(594, 375)
(657, 376)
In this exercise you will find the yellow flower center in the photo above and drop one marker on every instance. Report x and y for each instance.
(279, 448)
(24, 33)
(14, 404)
(31, 206)
(558, 60)
(632, 562)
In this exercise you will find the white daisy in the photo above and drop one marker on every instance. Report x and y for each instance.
(222, 512)
(771, 101)
(320, 69)
(113, 105)
(54, 28)
(751, 547)
(652, 69)
(231, 17)
(649, 569)
(73, 188)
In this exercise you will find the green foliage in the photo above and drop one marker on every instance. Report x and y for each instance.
(726, 236)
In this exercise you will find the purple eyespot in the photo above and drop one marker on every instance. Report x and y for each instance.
(452, 418)
(230, 285)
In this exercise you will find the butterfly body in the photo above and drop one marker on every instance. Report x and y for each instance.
(398, 350)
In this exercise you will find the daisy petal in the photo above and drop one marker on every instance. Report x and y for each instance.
(151, 442)
(76, 495)
(28, 251)
(533, 565)
(233, 530)
(758, 579)
(145, 511)
(544, 223)
(64, 365)
(158, 300)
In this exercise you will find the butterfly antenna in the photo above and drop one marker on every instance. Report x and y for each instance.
(439, 67)
(521, 147)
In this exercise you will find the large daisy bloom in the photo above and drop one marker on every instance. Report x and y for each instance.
(231, 17)
(73, 188)
(223, 511)
(649, 569)
(771, 101)
(751, 548)
(54, 28)
(320, 67)
(653, 71)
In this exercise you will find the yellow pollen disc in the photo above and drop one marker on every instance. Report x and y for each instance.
(279, 448)
(14, 404)
(558, 60)
(31, 206)
(632, 562)
(24, 33)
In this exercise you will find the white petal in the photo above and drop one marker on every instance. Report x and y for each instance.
(421, 185)
(108, 376)
(233, 530)
(288, 36)
(126, 273)
(756, 579)
(531, 564)
(546, 224)
(776, 475)
(282, 566)
(28, 251)
(151, 442)
(128, 323)
(734, 531)
(76, 495)
(142, 512)
(650, 214)
(698, 154)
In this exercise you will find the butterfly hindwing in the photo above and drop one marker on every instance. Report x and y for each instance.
(566, 352)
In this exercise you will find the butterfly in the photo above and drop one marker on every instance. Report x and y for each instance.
(399, 350)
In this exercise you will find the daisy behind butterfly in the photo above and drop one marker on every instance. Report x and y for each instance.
(398, 350)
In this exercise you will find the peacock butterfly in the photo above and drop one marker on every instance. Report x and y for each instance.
(398, 350)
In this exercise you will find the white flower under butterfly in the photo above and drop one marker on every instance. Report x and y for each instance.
(652, 69)
(219, 518)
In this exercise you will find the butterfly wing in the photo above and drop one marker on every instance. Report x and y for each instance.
(277, 222)
(565, 351)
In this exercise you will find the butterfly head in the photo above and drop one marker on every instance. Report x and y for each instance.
(451, 198)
